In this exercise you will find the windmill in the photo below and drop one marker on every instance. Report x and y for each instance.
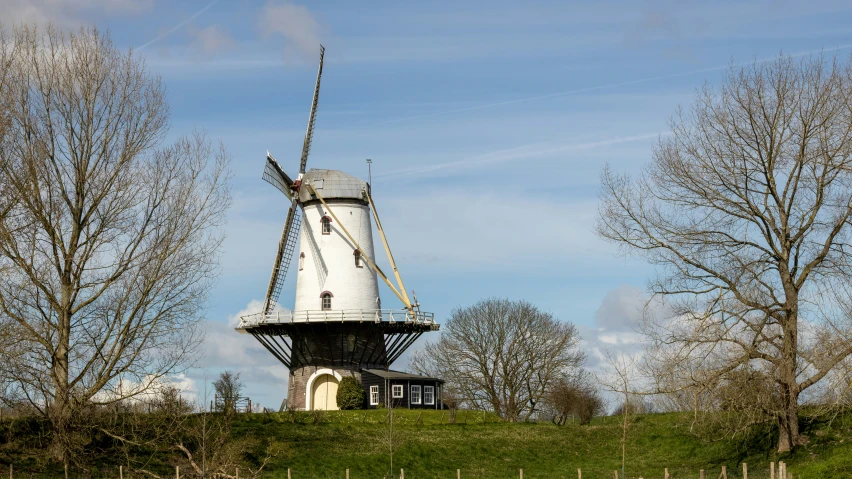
(337, 327)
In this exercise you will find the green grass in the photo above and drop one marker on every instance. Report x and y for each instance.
(483, 447)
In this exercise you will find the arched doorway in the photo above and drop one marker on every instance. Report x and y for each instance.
(324, 393)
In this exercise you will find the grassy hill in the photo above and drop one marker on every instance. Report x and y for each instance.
(483, 447)
(325, 445)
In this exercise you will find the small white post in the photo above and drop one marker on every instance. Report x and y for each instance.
(745, 471)
(579, 473)
(177, 472)
(120, 471)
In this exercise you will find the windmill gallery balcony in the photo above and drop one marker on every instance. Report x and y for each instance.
(358, 315)
(343, 338)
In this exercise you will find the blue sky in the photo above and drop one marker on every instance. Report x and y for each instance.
(488, 123)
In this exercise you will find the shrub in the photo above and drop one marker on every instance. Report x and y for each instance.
(350, 394)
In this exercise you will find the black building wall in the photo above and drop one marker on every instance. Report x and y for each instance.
(385, 387)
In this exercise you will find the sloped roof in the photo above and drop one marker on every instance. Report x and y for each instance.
(391, 374)
(333, 184)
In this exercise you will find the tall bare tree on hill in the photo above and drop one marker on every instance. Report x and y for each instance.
(109, 240)
(502, 356)
(745, 210)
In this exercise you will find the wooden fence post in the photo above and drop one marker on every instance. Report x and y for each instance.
(745, 471)
(724, 472)
(616, 474)
(288, 473)
(666, 474)
(238, 473)
(579, 473)
(522, 474)
(177, 472)
(458, 473)
(347, 473)
(402, 474)
(66, 470)
(701, 474)
(120, 471)
(771, 470)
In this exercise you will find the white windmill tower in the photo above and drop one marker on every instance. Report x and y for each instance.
(337, 326)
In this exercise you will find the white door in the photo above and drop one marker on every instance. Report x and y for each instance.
(324, 393)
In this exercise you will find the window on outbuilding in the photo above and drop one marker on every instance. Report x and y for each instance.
(415, 394)
(326, 225)
(374, 395)
(428, 395)
(397, 391)
(326, 301)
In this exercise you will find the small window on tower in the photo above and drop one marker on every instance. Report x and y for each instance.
(301, 261)
(326, 225)
(357, 255)
(326, 301)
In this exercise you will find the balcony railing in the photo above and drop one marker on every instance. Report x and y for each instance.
(361, 315)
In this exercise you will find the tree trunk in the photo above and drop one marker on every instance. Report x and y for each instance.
(61, 417)
(788, 418)
(61, 410)
(788, 414)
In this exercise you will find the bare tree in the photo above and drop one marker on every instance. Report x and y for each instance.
(574, 396)
(228, 388)
(617, 379)
(501, 355)
(745, 210)
(109, 241)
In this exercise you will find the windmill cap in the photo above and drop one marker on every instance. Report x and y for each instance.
(333, 184)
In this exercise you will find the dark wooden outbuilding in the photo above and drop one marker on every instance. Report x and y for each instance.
(388, 388)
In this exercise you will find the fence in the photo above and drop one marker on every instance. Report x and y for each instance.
(779, 472)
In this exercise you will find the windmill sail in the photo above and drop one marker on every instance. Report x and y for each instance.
(309, 134)
(275, 176)
(286, 247)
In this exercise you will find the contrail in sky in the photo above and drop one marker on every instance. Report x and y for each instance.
(519, 152)
(604, 87)
(179, 25)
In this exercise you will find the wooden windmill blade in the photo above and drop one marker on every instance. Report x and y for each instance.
(309, 134)
(286, 248)
(275, 176)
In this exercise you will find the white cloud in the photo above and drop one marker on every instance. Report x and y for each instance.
(149, 387)
(210, 40)
(616, 325)
(263, 376)
(295, 23)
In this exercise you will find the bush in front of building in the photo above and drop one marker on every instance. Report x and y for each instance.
(350, 394)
